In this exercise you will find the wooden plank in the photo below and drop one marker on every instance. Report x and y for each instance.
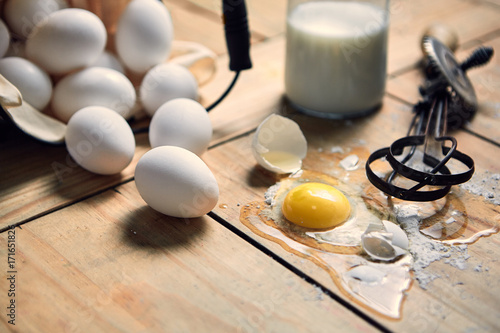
(486, 82)
(471, 20)
(265, 18)
(209, 27)
(195, 26)
(257, 93)
(49, 178)
(112, 264)
(458, 299)
(38, 178)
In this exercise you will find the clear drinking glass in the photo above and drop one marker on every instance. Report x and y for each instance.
(336, 56)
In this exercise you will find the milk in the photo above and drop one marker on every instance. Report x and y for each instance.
(336, 57)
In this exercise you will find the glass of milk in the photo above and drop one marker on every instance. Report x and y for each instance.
(336, 56)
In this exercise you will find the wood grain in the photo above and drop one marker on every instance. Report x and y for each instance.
(243, 182)
(266, 18)
(471, 20)
(93, 257)
(486, 83)
(112, 264)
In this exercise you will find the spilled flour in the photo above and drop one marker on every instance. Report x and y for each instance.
(486, 185)
(425, 250)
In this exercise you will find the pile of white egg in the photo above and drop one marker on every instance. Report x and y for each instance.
(57, 57)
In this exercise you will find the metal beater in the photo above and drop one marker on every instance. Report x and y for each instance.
(448, 101)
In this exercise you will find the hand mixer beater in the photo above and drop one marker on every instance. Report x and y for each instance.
(448, 101)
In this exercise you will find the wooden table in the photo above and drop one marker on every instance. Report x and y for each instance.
(91, 256)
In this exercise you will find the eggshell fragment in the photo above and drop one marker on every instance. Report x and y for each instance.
(93, 86)
(183, 123)
(279, 145)
(165, 82)
(366, 274)
(4, 39)
(176, 182)
(384, 243)
(144, 35)
(23, 15)
(399, 237)
(33, 83)
(66, 40)
(100, 140)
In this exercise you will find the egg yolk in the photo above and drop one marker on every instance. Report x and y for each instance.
(316, 205)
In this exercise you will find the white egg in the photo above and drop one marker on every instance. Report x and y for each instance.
(100, 140)
(4, 38)
(144, 35)
(183, 123)
(93, 86)
(165, 82)
(23, 15)
(66, 40)
(33, 83)
(279, 145)
(108, 60)
(176, 182)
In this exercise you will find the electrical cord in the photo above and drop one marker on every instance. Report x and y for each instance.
(214, 104)
(237, 35)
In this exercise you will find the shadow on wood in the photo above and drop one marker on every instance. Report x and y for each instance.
(146, 228)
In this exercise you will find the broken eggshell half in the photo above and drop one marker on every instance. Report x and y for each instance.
(384, 243)
(279, 145)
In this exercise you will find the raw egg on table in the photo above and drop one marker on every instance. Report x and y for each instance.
(316, 206)
(325, 219)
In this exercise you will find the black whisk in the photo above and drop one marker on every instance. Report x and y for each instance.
(448, 101)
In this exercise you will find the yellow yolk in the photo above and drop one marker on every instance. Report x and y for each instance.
(316, 205)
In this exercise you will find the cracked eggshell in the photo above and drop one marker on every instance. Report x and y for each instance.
(399, 237)
(279, 145)
(385, 243)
